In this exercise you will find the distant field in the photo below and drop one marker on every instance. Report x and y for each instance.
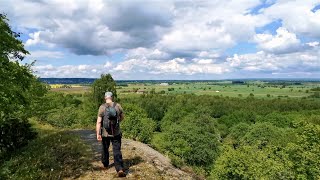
(223, 88)
(70, 88)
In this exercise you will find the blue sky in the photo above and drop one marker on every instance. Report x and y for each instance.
(178, 39)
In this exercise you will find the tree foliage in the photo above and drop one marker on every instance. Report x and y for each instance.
(10, 45)
(136, 124)
(237, 138)
(194, 140)
(100, 86)
(18, 90)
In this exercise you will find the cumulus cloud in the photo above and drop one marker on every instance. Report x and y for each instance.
(147, 53)
(261, 62)
(68, 71)
(35, 40)
(313, 44)
(210, 25)
(178, 28)
(177, 66)
(305, 61)
(170, 37)
(92, 27)
(282, 42)
(297, 16)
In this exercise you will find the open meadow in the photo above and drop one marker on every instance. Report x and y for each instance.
(258, 89)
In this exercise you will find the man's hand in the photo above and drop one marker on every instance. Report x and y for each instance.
(98, 126)
(99, 138)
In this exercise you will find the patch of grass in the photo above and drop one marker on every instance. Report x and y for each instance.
(226, 88)
(55, 154)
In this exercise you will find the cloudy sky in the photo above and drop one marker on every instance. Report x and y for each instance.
(163, 39)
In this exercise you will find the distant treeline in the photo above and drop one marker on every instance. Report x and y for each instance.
(125, 82)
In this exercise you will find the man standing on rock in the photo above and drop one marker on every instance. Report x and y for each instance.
(108, 130)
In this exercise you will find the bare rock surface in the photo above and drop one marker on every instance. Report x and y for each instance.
(140, 161)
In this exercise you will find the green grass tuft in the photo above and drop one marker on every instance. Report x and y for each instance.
(53, 155)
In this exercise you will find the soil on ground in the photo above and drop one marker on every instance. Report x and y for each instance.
(140, 161)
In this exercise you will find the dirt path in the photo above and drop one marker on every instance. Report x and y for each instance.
(142, 161)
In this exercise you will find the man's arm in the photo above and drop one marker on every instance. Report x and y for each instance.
(121, 116)
(98, 127)
(121, 112)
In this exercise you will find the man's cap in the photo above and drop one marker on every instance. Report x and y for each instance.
(108, 94)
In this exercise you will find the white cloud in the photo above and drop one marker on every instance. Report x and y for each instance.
(211, 25)
(203, 61)
(282, 42)
(141, 52)
(36, 40)
(313, 44)
(174, 66)
(68, 71)
(208, 54)
(92, 27)
(165, 29)
(260, 62)
(297, 16)
(307, 61)
(169, 37)
(177, 66)
(108, 64)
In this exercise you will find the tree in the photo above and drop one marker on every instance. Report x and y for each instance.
(100, 86)
(92, 100)
(305, 153)
(17, 88)
(10, 46)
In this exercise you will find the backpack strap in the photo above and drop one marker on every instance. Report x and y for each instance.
(114, 106)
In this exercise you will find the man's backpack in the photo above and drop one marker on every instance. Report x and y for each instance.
(110, 121)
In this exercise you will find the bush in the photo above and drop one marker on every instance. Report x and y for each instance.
(263, 134)
(249, 162)
(136, 124)
(276, 119)
(14, 133)
(63, 117)
(236, 134)
(238, 117)
(194, 140)
(293, 160)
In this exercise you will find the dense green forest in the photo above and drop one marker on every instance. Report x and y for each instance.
(232, 138)
(219, 137)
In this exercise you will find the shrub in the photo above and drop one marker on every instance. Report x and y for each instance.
(194, 140)
(276, 119)
(237, 117)
(136, 124)
(14, 133)
(263, 134)
(250, 162)
(63, 117)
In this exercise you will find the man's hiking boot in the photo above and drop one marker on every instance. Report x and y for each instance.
(121, 174)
